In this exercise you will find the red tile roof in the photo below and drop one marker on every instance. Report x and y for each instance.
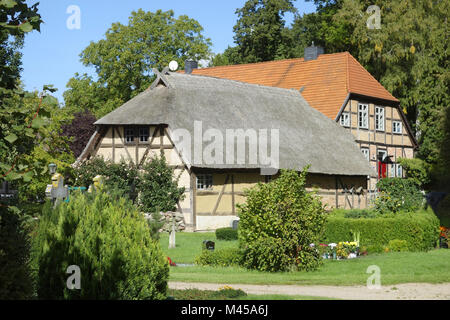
(327, 80)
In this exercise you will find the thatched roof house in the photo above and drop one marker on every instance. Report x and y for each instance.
(146, 124)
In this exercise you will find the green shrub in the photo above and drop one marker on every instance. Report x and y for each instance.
(226, 234)
(278, 222)
(376, 248)
(15, 274)
(158, 187)
(155, 181)
(220, 257)
(109, 240)
(122, 176)
(360, 213)
(398, 245)
(397, 194)
(420, 229)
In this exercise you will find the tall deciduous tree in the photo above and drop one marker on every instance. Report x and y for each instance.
(409, 55)
(124, 60)
(260, 33)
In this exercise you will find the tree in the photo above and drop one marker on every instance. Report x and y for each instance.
(124, 60)
(79, 131)
(16, 140)
(260, 33)
(409, 55)
(16, 19)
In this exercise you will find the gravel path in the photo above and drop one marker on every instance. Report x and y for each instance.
(406, 291)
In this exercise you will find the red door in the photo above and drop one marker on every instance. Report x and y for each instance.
(382, 170)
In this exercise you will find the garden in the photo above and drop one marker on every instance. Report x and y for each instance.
(284, 236)
(398, 234)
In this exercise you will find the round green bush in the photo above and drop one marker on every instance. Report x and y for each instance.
(109, 240)
(227, 234)
(278, 222)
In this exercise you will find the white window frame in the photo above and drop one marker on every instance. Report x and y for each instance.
(379, 118)
(399, 171)
(397, 127)
(366, 152)
(144, 135)
(129, 135)
(204, 181)
(392, 170)
(363, 116)
(345, 119)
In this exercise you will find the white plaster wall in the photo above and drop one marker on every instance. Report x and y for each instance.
(214, 222)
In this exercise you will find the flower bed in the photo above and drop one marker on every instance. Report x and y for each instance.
(342, 250)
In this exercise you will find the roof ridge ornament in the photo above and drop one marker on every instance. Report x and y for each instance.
(160, 77)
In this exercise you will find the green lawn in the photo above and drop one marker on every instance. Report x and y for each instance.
(189, 245)
(431, 267)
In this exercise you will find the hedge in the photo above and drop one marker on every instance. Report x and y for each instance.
(222, 257)
(419, 229)
(226, 234)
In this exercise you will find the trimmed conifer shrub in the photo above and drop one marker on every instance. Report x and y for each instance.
(109, 240)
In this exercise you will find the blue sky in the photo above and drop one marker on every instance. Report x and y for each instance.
(52, 56)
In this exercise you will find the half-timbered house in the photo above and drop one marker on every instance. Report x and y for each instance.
(343, 90)
(179, 109)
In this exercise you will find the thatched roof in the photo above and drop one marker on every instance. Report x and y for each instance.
(306, 136)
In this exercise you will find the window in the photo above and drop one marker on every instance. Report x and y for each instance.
(363, 116)
(129, 135)
(379, 118)
(399, 171)
(345, 119)
(143, 135)
(366, 153)
(204, 182)
(268, 179)
(392, 170)
(397, 127)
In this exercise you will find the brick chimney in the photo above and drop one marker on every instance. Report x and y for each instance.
(312, 52)
(190, 65)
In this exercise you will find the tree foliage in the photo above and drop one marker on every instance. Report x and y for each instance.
(123, 61)
(154, 183)
(409, 55)
(109, 240)
(79, 131)
(278, 222)
(15, 275)
(260, 33)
